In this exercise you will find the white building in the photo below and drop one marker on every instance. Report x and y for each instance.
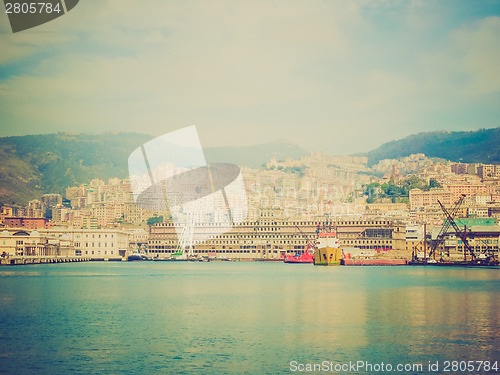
(19, 242)
(94, 243)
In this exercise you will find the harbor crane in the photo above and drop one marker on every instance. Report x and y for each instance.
(448, 222)
(461, 234)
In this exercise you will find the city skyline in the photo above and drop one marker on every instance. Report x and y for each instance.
(342, 76)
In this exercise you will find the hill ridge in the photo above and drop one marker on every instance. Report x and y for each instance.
(476, 146)
(31, 165)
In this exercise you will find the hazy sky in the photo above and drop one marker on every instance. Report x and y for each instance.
(338, 76)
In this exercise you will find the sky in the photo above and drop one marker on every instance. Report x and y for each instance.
(342, 77)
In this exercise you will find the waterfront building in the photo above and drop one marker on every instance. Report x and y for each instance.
(414, 236)
(63, 241)
(272, 236)
(94, 243)
(19, 242)
(481, 239)
(483, 235)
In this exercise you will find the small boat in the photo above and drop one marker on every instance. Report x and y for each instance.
(305, 257)
(135, 256)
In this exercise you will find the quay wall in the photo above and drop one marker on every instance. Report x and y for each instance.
(26, 260)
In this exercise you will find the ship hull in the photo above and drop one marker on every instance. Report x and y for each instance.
(304, 258)
(327, 256)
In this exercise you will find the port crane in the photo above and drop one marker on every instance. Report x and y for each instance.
(461, 234)
(448, 222)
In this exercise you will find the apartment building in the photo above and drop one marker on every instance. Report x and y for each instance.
(420, 200)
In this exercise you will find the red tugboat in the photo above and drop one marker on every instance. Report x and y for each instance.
(306, 257)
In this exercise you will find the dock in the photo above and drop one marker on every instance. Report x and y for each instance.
(456, 263)
(374, 262)
(26, 260)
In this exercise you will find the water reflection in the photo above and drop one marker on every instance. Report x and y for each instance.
(237, 317)
(454, 315)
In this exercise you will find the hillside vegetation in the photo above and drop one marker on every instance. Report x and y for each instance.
(36, 164)
(33, 165)
(480, 146)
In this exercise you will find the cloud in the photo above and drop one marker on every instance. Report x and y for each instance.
(214, 56)
(468, 64)
(248, 72)
(478, 56)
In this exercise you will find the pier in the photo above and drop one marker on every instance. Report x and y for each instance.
(25, 260)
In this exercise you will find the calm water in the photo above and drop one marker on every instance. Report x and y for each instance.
(242, 318)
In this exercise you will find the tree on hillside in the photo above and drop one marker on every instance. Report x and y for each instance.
(398, 192)
(154, 220)
(434, 184)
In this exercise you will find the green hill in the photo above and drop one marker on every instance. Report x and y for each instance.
(33, 165)
(480, 146)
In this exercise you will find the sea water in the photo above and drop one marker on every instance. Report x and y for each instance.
(247, 318)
